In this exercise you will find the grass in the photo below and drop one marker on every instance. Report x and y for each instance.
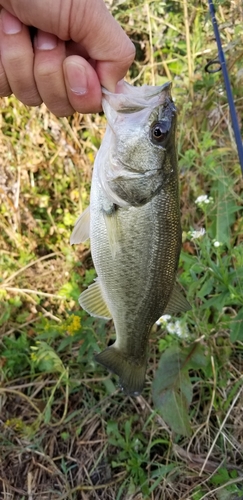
(67, 432)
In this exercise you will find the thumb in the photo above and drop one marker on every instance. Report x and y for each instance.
(86, 22)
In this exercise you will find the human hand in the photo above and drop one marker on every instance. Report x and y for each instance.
(78, 46)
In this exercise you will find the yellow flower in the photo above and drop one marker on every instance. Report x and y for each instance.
(74, 325)
(15, 423)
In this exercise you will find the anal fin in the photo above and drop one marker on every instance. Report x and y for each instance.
(92, 301)
(177, 302)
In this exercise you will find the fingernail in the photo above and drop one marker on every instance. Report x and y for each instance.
(120, 87)
(11, 24)
(77, 79)
(45, 41)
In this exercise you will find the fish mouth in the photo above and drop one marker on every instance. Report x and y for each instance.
(125, 171)
(145, 91)
(129, 99)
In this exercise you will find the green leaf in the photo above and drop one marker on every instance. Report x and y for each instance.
(197, 358)
(173, 408)
(47, 414)
(217, 301)
(46, 359)
(172, 392)
(236, 327)
(206, 288)
(70, 290)
(160, 473)
(221, 477)
(172, 388)
(223, 215)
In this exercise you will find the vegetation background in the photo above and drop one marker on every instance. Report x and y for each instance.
(66, 430)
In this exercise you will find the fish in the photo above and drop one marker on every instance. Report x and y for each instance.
(133, 223)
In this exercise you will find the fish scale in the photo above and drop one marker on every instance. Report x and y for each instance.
(134, 226)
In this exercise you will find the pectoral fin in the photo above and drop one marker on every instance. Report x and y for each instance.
(112, 228)
(82, 228)
(91, 300)
(177, 302)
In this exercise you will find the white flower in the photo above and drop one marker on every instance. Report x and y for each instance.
(163, 319)
(217, 244)
(170, 327)
(197, 234)
(179, 328)
(203, 199)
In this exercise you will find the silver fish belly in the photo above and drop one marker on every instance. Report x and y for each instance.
(134, 226)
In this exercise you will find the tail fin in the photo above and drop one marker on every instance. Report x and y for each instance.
(131, 375)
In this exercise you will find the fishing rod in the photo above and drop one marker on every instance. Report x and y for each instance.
(222, 66)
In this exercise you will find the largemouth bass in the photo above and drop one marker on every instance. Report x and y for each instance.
(134, 226)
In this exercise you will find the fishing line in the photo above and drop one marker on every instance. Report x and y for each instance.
(221, 62)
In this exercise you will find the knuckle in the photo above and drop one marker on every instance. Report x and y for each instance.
(60, 109)
(14, 57)
(129, 56)
(46, 71)
(29, 100)
(26, 93)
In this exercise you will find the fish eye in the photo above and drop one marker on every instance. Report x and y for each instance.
(159, 132)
